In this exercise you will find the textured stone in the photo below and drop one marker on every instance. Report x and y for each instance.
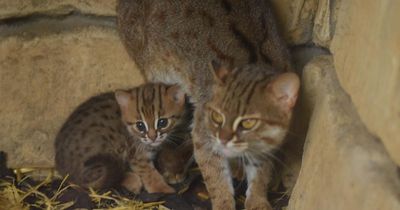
(344, 166)
(324, 22)
(43, 77)
(19, 8)
(307, 21)
(297, 17)
(366, 49)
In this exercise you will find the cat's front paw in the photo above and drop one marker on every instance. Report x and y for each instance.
(159, 187)
(218, 204)
(257, 203)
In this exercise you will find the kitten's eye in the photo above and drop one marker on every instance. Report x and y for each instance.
(248, 124)
(217, 117)
(140, 126)
(162, 123)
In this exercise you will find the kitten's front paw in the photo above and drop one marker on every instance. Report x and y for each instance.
(132, 183)
(257, 203)
(159, 187)
(172, 178)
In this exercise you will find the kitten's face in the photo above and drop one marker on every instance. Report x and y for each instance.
(151, 111)
(250, 111)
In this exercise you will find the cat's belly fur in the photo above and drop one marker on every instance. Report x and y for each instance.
(175, 41)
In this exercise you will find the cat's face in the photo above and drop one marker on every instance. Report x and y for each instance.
(250, 111)
(151, 111)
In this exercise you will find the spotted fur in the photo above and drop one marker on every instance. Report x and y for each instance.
(100, 146)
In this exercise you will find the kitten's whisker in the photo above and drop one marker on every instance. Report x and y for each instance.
(171, 141)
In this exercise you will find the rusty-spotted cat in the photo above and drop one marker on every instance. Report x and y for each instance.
(243, 100)
(111, 139)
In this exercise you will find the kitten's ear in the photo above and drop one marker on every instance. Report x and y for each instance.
(176, 93)
(220, 71)
(123, 98)
(285, 88)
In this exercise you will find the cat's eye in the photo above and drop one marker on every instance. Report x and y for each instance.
(248, 123)
(141, 126)
(162, 123)
(217, 117)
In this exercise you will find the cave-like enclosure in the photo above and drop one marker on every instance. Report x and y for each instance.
(55, 54)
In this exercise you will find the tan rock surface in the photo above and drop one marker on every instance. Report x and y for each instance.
(19, 8)
(44, 77)
(344, 166)
(324, 22)
(308, 21)
(366, 50)
(297, 17)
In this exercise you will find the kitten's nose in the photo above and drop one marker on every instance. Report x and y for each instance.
(225, 136)
(152, 134)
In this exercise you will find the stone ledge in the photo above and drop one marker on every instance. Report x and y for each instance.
(21, 8)
(343, 166)
(42, 25)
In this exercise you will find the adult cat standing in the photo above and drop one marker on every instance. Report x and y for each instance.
(175, 41)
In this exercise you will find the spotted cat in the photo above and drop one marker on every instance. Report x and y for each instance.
(112, 139)
(243, 102)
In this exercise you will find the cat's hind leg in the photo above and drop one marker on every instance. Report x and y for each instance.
(101, 172)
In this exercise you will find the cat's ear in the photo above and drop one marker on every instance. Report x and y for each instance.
(220, 71)
(284, 89)
(176, 93)
(124, 98)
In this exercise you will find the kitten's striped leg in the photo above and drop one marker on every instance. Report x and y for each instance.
(132, 182)
(152, 180)
(258, 178)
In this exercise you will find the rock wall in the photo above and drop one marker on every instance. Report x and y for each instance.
(366, 48)
(344, 166)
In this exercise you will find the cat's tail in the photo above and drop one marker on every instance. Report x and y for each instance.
(102, 171)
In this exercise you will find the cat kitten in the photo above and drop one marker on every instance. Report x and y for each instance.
(175, 41)
(173, 161)
(112, 139)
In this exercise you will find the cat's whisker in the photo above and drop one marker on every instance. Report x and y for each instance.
(268, 155)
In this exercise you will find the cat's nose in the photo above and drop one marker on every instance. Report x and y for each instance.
(225, 136)
(152, 134)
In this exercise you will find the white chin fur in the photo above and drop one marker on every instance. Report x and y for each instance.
(155, 144)
(230, 152)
